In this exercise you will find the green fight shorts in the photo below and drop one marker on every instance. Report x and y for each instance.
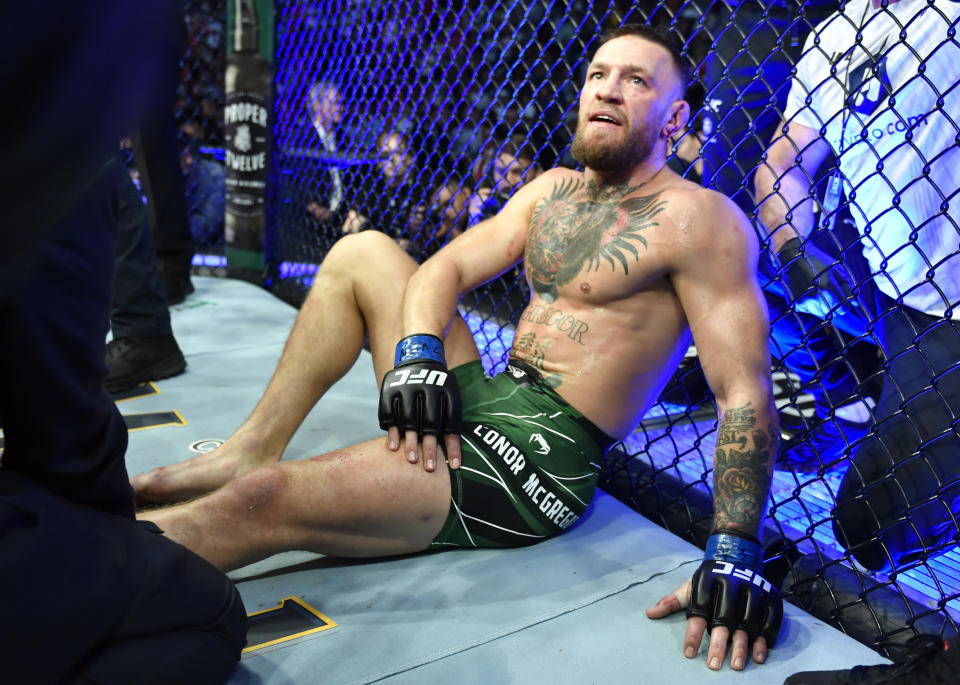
(530, 461)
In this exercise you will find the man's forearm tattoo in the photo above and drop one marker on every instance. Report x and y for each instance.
(742, 469)
(583, 224)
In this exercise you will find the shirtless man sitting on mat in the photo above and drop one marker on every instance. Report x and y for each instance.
(625, 261)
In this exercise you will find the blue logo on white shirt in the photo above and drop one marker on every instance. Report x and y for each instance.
(869, 85)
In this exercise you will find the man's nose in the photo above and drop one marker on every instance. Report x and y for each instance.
(609, 90)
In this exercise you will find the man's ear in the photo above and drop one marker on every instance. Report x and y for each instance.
(679, 115)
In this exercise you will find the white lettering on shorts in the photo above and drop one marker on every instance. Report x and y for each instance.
(549, 503)
(546, 500)
(510, 453)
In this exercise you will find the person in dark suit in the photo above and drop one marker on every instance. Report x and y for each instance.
(89, 594)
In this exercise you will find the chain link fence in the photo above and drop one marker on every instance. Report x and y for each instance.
(199, 115)
(419, 120)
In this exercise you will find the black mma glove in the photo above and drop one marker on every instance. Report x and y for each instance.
(728, 589)
(815, 279)
(420, 394)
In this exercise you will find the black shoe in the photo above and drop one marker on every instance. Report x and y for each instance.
(131, 361)
(822, 445)
(177, 287)
(929, 661)
(176, 281)
(811, 449)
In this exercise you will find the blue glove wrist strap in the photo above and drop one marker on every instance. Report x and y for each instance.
(419, 348)
(737, 549)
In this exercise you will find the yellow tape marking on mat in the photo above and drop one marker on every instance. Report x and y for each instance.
(327, 623)
(153, 419)
(142, 390)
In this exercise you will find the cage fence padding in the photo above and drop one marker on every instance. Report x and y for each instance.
(419, 119)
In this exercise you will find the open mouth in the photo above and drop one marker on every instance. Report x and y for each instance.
(604, 118)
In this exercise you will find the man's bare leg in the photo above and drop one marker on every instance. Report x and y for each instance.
(358, 288)
(363, 501)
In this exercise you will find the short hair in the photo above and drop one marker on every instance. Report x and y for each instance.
(320, 89)
(190, 145)
(403, 141)
(661, 37)
(518, 150)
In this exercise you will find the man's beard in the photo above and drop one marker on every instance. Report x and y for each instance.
(613, 155)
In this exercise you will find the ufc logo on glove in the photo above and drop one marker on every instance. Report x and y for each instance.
(419, 377)
(728, 589)
(419, 394)
(725, 568)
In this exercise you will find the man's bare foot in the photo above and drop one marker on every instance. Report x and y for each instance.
(199, 475)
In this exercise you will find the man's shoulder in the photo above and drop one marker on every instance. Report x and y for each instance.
(679, 187)
(701, 205)
(556, 184)
(704, 218)
(557, 175)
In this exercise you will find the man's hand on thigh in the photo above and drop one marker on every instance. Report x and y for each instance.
(429, 448)
(421, 397)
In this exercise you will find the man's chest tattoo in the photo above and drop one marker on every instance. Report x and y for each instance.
(582, 225)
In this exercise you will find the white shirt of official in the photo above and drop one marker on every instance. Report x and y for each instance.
(897, 142)
(330, 150)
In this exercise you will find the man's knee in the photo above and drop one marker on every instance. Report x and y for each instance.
(895, 506)
(359, 248)
(372, 266)
(261, 494)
